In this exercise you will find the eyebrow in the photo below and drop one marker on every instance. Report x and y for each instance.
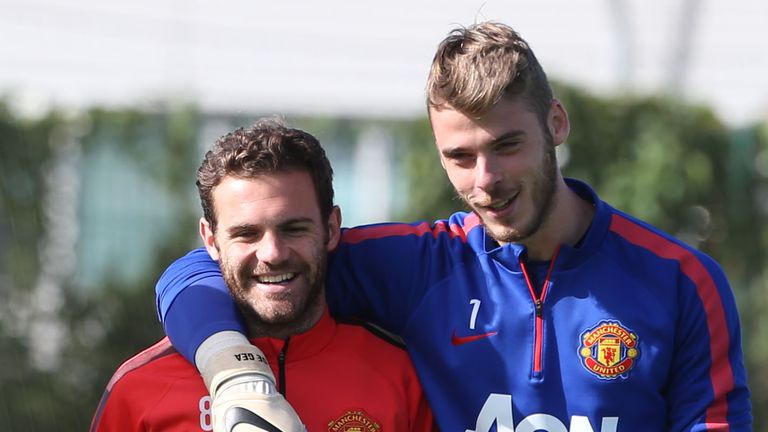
(508, 135)
(297, 220)
(241, 227)
(454, 151)
(248, 226)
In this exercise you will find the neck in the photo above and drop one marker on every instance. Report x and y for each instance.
(258, 328)
(566, 224)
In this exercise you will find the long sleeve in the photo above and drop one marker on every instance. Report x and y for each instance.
(193, 302)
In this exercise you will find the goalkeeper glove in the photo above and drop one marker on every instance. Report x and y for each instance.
(245, 399)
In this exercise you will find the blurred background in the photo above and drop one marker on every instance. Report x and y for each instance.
(106, 109)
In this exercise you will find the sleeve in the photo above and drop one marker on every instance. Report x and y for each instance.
(380, 273)
(190, 316)
(708, 387)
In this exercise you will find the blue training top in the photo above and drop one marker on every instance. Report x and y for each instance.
(630, 331)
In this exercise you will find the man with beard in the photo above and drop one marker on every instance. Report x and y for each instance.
(542, 309)
(269, 221)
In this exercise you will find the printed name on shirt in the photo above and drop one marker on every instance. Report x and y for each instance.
(250, 357)
(498, 410)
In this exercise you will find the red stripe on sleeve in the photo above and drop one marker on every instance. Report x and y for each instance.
(162, 348)
(470, 222)
(721, 373)
(357, 235)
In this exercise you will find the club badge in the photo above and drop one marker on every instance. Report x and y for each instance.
(609, 350)
(355, 420)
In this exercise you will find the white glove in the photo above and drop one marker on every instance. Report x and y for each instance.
(245, 399)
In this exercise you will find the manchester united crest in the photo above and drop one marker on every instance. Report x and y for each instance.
(355, 420)
(609, 350)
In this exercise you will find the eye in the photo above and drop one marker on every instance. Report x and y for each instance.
(464, 160)
(504, 147)
(295, 229)
(245, 234)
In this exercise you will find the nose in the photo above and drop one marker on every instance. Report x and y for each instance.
(486, 173)
(271, 249)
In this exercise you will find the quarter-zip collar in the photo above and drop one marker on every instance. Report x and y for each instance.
(302, 345)
(510, 255)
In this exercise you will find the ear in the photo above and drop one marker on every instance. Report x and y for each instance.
(558, 123)
(334, 229)
(209, 240)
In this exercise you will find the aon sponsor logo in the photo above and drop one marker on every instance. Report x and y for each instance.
(498, 410)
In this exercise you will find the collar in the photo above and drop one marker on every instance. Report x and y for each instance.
(568, 257)
(300, 345)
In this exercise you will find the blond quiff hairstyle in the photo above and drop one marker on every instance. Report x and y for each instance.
(476, 66)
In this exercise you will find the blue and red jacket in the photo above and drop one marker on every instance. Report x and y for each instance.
(631, 330)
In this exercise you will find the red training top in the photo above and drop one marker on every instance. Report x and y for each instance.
(336, 376)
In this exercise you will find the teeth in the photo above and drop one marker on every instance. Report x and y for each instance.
(275, 278)
(499, 205)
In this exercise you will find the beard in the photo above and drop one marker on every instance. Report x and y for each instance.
(543, 191)
(287, 312)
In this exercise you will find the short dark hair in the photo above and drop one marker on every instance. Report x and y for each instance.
(266, 147)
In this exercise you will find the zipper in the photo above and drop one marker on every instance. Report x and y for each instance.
(281, 367)
(538, 302)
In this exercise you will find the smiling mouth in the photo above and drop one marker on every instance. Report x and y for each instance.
(499, 206)
(275, 279)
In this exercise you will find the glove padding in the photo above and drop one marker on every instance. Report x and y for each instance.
(245, 399)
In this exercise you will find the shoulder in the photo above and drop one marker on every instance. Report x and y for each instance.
(370, 333)
(142, 384)
(456, 227)
(155, 365)
(649, 239)
(377, 346)
(371, 354)
(655, 256)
